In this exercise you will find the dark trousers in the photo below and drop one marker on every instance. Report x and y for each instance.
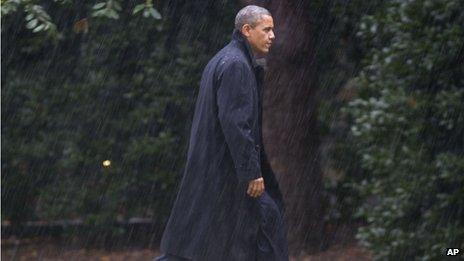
(272, 234)
(272, 237)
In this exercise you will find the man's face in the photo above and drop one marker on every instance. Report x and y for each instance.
(261, 35)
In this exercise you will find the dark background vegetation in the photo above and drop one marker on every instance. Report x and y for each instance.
(363, 116)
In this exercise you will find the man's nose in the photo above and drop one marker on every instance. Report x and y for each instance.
(272, 35)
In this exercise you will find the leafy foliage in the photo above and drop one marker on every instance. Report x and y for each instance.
(408, 125)
(38, 20)
(338, 55)
(95, 125)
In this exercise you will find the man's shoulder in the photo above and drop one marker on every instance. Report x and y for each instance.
(230, 56)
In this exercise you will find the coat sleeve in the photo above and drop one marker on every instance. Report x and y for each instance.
(235, 102)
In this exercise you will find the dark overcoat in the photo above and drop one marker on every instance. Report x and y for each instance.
(213, 218)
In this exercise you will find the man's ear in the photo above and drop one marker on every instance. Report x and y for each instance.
(246, 30)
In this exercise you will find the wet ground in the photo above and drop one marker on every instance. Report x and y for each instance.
(46, 250)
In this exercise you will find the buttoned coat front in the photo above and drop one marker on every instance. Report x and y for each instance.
(213, 218)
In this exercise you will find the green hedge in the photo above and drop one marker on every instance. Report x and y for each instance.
(121, 90)
(408, 129)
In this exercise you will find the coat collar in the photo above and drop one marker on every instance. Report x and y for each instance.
(244, 46)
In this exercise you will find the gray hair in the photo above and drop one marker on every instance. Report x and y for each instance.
(250, 14)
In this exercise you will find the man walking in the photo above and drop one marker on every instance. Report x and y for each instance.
(229, 206)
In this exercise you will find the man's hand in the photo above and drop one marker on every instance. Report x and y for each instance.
(256, 187)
